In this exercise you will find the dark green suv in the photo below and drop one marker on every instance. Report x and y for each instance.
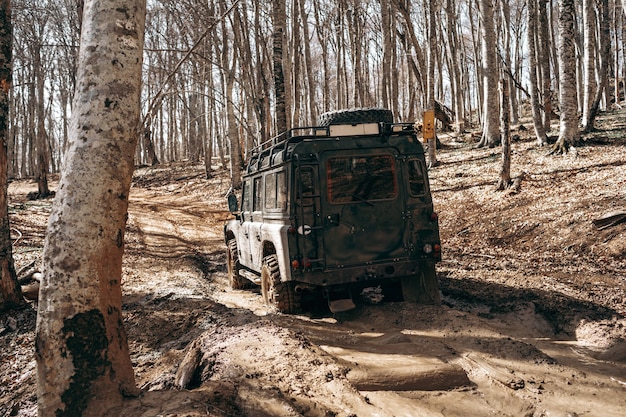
(335, 209)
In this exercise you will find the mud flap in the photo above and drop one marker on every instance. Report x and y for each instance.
(423, 287)
(339, 301)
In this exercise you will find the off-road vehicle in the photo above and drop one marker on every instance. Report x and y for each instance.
(333, 209)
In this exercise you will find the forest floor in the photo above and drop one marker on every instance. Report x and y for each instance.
(532, 323)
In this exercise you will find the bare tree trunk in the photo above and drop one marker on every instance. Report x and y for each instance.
(43, 155)
(323, 37)
(491, 132)
(208, 139)
(477, 62)
(604, 46)
(420, 68)
(544, 53)
(149, 143)
(385, 84)
(83, 360)
(10, 291)
(569, 133)
(617, 23)
(296, 66)
(279, 22)
(308, 63)
(505, 133)
(540, 132)
(455, 67)
(228, 70)
(589, 58)
(263, 84)
(430, 88)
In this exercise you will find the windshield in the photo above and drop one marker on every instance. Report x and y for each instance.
(361, 178)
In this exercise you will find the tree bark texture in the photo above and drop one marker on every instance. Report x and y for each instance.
(83, 361)
(569, 132)
(589, 57)
(604, 48)
(43, 153)
(10, 291)
(540, 133)
(491, 130)
(544, 62)
(505, 133)
(430, 96)
(279, 22)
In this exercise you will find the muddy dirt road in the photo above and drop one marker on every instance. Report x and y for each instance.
(532, 321)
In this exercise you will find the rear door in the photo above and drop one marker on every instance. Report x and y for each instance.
(363, 207)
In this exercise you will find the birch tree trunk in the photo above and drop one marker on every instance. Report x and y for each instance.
(589, 58)
(419, 69)
(279, 22)
(544, 54)
(83, 360)
(228, 71)
(308, 62)
(430, 88)
(604, 48)
(43, 153)
(455, 67)
(569, 132)
(540, 133)
(505, 132)
(385, 13)
(10, 292)
(491, 107)
(617, 23)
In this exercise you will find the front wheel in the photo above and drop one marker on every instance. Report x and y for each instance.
(277, 294)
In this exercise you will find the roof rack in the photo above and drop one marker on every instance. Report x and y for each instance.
(273, 146)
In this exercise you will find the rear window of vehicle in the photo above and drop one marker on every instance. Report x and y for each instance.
(353, 179)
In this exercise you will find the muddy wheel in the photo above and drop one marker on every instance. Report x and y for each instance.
(276, 294)
(236, 281)
(373, 115)
(423, 287)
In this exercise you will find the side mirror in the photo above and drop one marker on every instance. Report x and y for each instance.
(232, 203)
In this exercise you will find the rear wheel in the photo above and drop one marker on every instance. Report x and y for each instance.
(276, 294)
(236, 281)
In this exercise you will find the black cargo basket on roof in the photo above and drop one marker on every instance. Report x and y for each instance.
(351, 116)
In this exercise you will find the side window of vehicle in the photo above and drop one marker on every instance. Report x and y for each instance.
(276, 191)
(281, 190)
(417, 185)
(270, 191)
(258, 194)
(245, 204)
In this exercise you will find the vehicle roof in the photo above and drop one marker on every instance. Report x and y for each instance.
(301, 141)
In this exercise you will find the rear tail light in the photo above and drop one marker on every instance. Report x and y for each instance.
(434, 216)
(296, 264)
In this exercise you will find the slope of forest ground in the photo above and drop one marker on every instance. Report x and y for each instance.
(533, 319)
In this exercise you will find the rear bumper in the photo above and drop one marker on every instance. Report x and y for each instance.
(362, 273)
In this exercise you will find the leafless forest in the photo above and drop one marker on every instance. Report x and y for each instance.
(209, 76)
